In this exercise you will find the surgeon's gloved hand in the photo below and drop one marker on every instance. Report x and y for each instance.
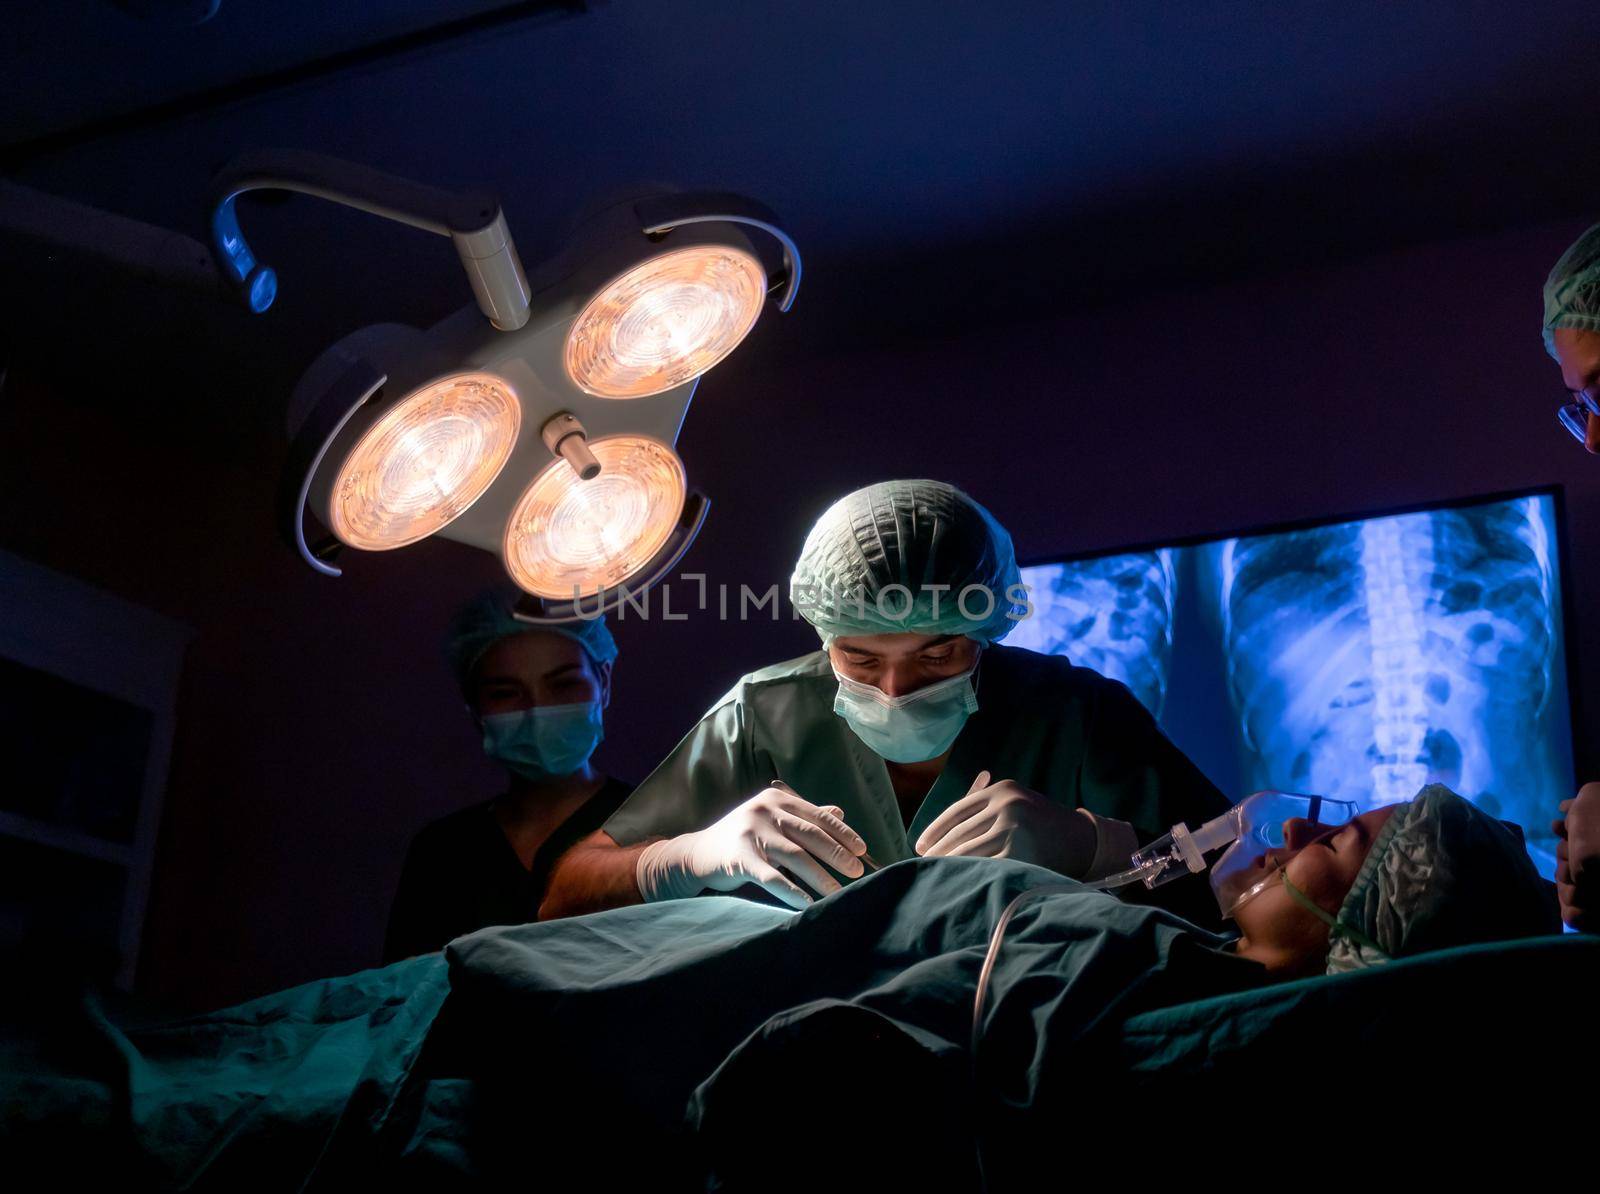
(1007, 820)
(1578, 859)
(774, 831)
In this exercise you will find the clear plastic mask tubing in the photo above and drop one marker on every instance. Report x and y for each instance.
(1134, 874)
(995, 939)
(1169, 857)
(1183, 851)
(1161, 861)
(984, 975)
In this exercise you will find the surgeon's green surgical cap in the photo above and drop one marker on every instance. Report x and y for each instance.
(1572, 291)
(1441, 872)
(486, 619)
(917, 557)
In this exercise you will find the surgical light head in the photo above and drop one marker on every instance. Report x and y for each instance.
(569, 535)
(429, 457)
(539, 423)
(665, 321)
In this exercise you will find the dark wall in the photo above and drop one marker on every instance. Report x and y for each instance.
(318, 727)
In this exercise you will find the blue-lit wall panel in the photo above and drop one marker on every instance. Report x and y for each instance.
(1359, 659)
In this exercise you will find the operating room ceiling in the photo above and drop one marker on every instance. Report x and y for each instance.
(942, 164)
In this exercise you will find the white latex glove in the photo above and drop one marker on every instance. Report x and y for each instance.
(1006, 820)
(774, 828)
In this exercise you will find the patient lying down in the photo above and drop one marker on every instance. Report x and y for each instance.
(863, 1003)
(1427, 874)
(1099, 1007)
(696, 1029)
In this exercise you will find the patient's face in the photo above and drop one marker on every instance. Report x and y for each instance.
(1323, 863)
(897, 664)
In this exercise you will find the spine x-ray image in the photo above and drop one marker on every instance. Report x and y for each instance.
(1112, 614)
(1360, 660)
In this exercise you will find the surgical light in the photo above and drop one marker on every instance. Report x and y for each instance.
(499, 426)
(568, 538)
(665, 321)
(426, 460)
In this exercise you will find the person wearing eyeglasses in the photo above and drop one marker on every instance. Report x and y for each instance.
(1572, 334)
(1572, 337)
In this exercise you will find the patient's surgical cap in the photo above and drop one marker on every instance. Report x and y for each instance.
(917, 557)
(1441, 872)
(486, 619)
(1572, 291)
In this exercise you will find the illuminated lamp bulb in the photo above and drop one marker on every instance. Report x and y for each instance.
(665, 321)
(569, 538)
(424, 461)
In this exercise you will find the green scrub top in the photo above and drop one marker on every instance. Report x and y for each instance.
(1065, 732)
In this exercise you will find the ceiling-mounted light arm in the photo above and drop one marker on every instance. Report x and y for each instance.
(49, 228)
(662, 214)
(474, 223)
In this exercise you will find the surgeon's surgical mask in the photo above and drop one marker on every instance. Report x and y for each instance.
(1249, 866)
(912, 728)
(545, 741)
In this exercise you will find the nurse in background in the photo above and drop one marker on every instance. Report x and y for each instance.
(538, 696)
(1572, 337)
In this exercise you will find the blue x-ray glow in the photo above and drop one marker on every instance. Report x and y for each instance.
(1358, 660)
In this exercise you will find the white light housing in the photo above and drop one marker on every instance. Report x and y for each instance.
(424, 462)
(569, 538)
(652, 292)
(665, 321)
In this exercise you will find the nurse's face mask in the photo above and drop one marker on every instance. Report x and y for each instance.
(546, 741)
(539, 701)
(910, 728)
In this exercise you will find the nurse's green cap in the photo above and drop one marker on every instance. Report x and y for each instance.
(487, 619)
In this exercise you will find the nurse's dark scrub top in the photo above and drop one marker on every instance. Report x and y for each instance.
(462, 875)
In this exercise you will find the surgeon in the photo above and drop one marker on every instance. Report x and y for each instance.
(910, 732)
(537, 695)
(1572, 337)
